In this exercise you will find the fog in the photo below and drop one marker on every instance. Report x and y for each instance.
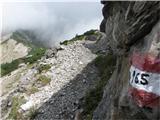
(51, 21)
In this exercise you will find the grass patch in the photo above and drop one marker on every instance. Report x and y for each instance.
(44, 67)
(32, 90)
(9, 67)
(44, 80)
(105, 65)
(90, 32)
(79, 37)
(35, 54)
(16, 103)
(24, 37)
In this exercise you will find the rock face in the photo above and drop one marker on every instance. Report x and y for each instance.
(12, 50)
(133, 33)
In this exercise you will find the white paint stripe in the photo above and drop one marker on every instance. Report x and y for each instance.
(153, 79)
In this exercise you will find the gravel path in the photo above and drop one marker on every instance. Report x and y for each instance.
(72, 74)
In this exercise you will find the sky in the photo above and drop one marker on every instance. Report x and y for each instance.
(53, 21)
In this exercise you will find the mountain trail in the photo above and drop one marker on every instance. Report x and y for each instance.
(72, 73)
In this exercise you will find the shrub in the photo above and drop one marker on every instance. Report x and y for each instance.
(77, 37)
(90, 32)
(35, 54)
(9, 67)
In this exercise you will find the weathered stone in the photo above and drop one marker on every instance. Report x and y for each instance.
(130, 27)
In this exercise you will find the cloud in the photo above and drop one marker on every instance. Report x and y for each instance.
(52, 21)
(8, 1)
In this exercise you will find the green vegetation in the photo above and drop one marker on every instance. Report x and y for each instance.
(44, 80)
(16, 103)
(44, 67)
(90, 32)
(35, 54)
(106, 65)
(9, 67)
(79, 37)
(25, 37)
(32, 90)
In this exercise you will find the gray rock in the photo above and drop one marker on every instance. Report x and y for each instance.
(51, 53)
(129, 27)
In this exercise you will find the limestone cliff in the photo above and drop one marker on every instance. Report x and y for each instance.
(130, 27)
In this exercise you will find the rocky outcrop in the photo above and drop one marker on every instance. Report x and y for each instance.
(130, 27)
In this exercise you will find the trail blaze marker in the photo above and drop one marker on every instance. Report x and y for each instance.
(145, 80)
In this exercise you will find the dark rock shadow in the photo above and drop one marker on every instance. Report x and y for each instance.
(64, 103)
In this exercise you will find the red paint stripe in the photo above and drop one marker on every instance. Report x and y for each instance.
(146, 62)
(143, 98)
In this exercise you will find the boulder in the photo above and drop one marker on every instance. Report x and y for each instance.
(51, 53)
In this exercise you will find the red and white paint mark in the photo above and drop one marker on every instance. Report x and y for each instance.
(145, 80)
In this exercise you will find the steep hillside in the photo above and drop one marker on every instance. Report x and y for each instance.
(114, 75)
(17, 48)
(11, 49)
(51, 84)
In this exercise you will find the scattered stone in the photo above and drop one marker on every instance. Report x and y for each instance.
(51, 53)
(27, 105)
(21, 89)
(84, 81)
(78, 114)
(67, 74)
(80, 62)
(22, 65)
